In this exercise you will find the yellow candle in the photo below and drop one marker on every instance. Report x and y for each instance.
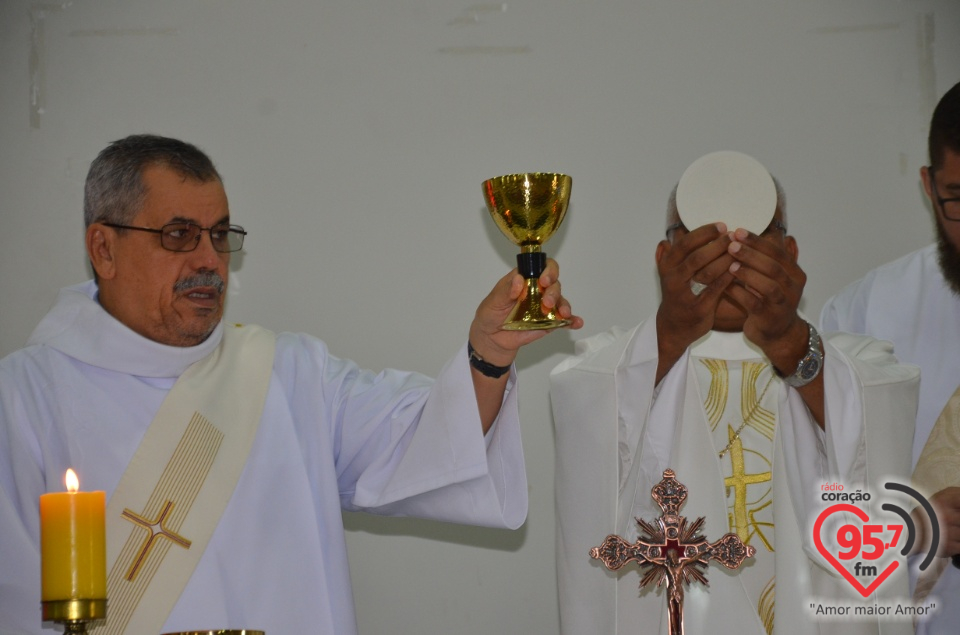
(73, 544)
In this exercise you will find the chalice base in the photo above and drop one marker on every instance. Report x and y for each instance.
(529, 315)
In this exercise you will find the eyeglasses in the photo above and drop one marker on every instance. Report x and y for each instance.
(949, 206)
(775, 225)
(186, 236)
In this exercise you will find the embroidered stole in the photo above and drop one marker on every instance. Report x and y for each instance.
(743, 428)
(180, 479)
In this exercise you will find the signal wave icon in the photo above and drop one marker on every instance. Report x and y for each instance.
(908, 522)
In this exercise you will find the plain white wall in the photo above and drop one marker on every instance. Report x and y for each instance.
(353, 138)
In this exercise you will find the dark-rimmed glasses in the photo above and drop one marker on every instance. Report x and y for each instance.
(775, 225)
(950, 207)
(186, 236)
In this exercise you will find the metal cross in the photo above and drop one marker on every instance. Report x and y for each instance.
(671, 550)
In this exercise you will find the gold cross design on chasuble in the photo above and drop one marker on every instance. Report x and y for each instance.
(157, 530)
(739, 480)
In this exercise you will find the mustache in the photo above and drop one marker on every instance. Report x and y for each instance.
(202, 279)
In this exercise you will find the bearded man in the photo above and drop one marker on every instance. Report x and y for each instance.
(914, 302)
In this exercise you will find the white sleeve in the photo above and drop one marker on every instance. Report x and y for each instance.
(870, 404)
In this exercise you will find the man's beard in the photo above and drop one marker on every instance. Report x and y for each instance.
(948, 257)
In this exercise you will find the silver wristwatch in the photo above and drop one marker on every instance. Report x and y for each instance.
(809, 367)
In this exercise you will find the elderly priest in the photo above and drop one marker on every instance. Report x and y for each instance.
(232, 448)
(731, 388)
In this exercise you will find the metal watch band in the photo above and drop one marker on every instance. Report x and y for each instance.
(810, 365)
(485, 368)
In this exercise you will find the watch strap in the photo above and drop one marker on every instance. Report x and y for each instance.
(486, 368)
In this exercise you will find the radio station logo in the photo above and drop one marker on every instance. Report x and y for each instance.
(865, 550)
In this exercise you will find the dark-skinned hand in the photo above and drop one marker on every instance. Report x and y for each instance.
(769, 287)
(702, 256)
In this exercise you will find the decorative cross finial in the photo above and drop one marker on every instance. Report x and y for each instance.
(671, 550)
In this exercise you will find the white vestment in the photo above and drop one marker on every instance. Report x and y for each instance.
(616, 434)
(909, 303)
(332, 437)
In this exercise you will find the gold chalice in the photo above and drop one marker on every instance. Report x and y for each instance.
(528, 209)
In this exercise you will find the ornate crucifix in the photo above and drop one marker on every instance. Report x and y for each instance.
(671, 550)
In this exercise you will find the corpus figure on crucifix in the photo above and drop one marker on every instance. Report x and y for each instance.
(671, 550)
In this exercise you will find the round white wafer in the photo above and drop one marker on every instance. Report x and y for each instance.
(728, 187)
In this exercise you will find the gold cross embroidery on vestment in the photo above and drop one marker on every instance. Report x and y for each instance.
(739, 480)
(157, 530)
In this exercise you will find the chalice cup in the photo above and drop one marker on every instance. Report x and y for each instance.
(528, 208)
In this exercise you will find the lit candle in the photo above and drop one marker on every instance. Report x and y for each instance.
(73, 544)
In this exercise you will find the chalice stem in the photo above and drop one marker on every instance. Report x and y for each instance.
(531, 261)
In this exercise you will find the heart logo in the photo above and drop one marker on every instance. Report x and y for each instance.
(875, 542)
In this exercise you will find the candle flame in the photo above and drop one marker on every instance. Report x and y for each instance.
(73, 483)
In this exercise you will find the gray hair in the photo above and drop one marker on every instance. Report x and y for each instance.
(673, 215)
(114, 191)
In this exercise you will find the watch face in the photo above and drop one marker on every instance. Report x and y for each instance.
(809, 369)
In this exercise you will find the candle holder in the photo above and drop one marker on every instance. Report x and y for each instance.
(74, 614)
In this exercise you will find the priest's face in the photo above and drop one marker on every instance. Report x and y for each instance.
(944, 183)
(175, 298)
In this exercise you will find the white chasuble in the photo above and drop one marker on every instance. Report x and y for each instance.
(617, 431)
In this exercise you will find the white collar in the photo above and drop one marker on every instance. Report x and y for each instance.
(731, 346)
(79, 327)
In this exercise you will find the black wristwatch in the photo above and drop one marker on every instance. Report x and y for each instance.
(812, 363)
(485, 368)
